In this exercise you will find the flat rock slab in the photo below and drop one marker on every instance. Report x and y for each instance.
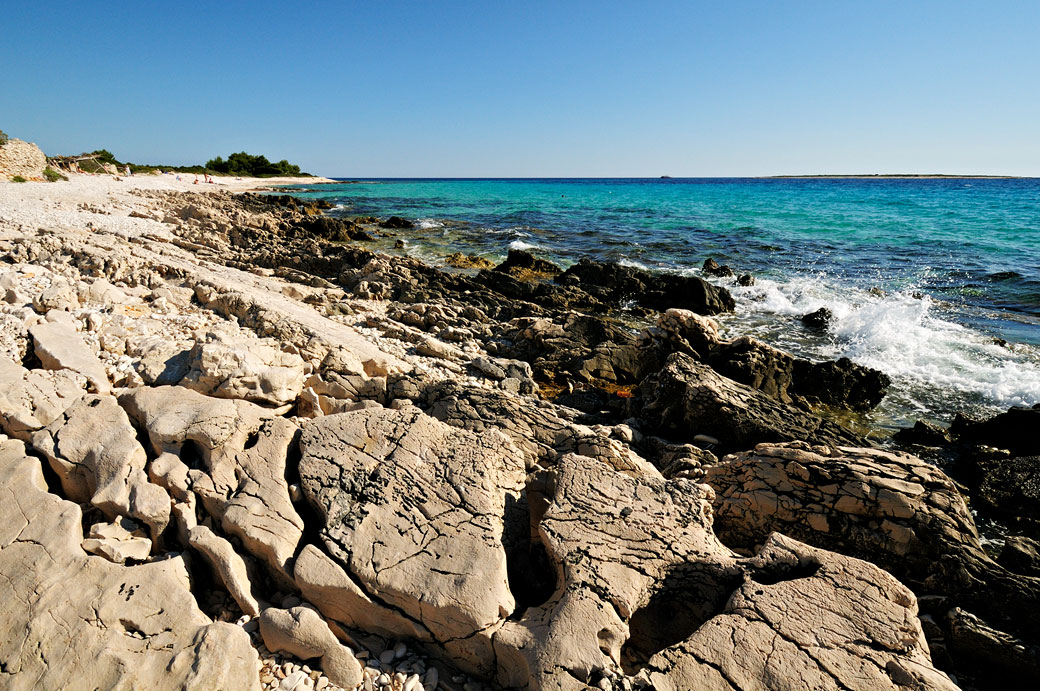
(413, 510)
(72, 620)
(59, 346)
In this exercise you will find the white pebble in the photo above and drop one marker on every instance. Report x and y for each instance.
(412, 684)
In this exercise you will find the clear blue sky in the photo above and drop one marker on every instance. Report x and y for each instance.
(386, 88)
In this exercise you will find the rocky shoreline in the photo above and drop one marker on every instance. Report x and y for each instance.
(241, 450)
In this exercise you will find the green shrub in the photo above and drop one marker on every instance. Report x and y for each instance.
(247, 165)
(53, 175)
(3, 138)
(18, 178)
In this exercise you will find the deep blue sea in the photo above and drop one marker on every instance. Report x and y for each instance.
(933, 281)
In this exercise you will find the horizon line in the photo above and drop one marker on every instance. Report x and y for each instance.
(856, 176)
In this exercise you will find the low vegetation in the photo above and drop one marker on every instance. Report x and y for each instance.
(3, 138)
(248, 165)
(53, 175)
(18, 178)
(239, 164)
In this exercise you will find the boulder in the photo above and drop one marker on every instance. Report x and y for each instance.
(712, 268)
(59, 346)
(93, 448)
(1021, 555)
(301, 632)
(1014, 430)
(413, 510)
(892, 509)
(325, 584)
(73, 620)
(996, 660)
(839, 383)
(467, 261)
(924, 433)
(32, 399)
(229, 366)
(820, 319)
(687, 398)
(527, 267)
(60, 296)
(646, 589)
(230, 454)
(396, 223)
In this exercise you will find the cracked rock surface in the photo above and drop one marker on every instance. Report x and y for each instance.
(647, 587)
(72, 620)
(413, 510)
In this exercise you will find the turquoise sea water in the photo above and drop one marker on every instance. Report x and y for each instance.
(954, 264)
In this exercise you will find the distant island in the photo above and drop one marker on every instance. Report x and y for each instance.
(901, 176)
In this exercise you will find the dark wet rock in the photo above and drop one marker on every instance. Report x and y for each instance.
(712, 268)
(687, 398)
(993, 658)
(527, 267)
(577, 347)
(1009, 488)
(312, 206)
(617, 284)
(397, 223)
(329, 228)
(467, 261)
(1021, 555)
(924, 433)
(840, 383)
(820, 319)
(745, 280)
(1015, 430)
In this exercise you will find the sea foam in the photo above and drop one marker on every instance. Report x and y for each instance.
(904, 334)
